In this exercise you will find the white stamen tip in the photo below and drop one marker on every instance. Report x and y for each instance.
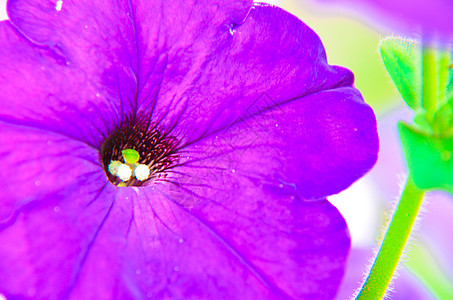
(141, 172)
(124, 172)
(58, 5)
(113, 166)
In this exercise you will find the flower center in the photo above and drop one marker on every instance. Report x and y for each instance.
(137, 153)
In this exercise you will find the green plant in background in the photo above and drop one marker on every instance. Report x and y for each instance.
(424, 77)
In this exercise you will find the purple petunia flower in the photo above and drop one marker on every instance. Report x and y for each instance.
(232, 109)
(430, 16)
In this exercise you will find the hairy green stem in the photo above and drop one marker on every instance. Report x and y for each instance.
(393, 244)
(442, 70)
(429, 80)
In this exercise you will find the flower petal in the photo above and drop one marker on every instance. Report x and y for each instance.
(177, 42)
(43, 250)
(313, 147)
(86, 34)
(36, 163)
(144, 243)
(278, 245)
(234, 235)
(271, 55)
(131, 64)
(52, 204)
(286, 248)
(197, 83)
(40, 90)
(76, 242)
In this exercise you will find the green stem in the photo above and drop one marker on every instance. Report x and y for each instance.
(442, 71)
(393, 244)
(429, 76)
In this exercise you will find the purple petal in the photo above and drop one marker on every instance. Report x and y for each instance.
(76, 237)
(246, 242)
(313, 147)
(38, 163)
(50, 209)
(294, 248)
(239, 239)
(125, 66)
(256, 85)
(230, 220)
(269, 59)
(40, 90)
(176, 44)
(147, 244)
(191, 74)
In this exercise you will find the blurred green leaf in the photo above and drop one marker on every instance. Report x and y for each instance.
(429, 158)
(402, 60)
(443, 120)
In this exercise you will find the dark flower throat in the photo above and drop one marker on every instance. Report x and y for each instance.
(156, 148)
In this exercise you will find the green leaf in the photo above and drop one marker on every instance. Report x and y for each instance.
(429, 158)
(130, 156)
(443, 120)
(402, 59)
